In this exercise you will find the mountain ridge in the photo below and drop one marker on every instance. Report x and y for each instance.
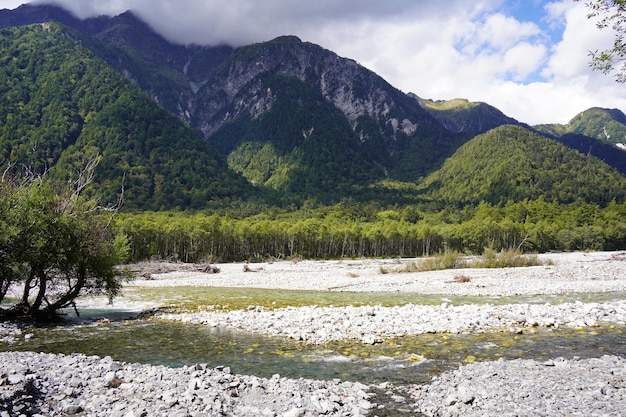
(63, 107)
(288, 116)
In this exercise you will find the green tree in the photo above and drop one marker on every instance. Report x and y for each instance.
(55, 245)
(610, 14)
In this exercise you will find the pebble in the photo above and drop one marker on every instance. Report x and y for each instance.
(35, 383)
(372, 325)
(31, 384)
(558, 387)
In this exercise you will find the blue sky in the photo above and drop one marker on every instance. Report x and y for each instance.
(529, 58)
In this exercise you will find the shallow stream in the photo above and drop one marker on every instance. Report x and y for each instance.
(402, 360)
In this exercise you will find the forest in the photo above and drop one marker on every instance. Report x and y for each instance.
(353, 230)
(299, 180)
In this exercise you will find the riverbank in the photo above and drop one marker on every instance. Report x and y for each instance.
(38, 384)
(559, 273)
(556, 387)
(518, 387)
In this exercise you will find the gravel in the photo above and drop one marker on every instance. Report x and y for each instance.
(38, 384)
(559, 387)
(41, 384)
(560, 273)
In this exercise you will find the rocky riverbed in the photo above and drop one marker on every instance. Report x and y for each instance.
(38, 384)
(374, 324)
(54, 384)
(559, 387)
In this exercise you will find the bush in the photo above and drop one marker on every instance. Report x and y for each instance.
(54, 246)
(447, 260)
(509, 258)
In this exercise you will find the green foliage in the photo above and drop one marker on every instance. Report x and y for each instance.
(62, 107)
(611, 14)
(609, 154)
(512, 163)
(302, 145)
(55, 245)
(450, 259)
(353, 230)
(605, 125)
(509, 258)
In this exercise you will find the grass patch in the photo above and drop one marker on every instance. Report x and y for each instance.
(509, 258)
(447, 260)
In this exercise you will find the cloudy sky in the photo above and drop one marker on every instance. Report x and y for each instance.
(529, 58)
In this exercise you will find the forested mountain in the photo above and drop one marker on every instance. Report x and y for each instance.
(606, 125)
(460, 115)
(513, 163)
(61, 107)
(289, 118)
(612, 155)
(310, 110)
(352, 128)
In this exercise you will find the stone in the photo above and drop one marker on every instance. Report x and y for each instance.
(73, 409)
(294, 412)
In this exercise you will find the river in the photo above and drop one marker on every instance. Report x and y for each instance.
(414, 359)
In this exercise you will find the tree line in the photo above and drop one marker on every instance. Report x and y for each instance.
(344, 231)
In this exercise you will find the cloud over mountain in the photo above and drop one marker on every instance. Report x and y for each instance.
(529, 59)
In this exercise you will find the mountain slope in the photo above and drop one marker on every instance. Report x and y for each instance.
(460, 115)
(607, 125)
(285, 114)
(388, 129)
(513, 163)
(383, 133)
(607, 153)
(63, 107)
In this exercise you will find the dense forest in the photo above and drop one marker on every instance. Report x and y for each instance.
(513, 163)
(351, 230)
(62, 107)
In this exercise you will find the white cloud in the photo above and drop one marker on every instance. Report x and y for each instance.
(524, 59)
(10, 4)
(498, 33)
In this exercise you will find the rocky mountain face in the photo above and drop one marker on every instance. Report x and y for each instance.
(209, 71)
(287, 114)
(211, 87)
(356, 91)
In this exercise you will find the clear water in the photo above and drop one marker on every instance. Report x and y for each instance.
(403, 360)
(193, 298)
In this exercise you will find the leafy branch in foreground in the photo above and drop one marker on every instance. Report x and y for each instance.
(55, 245)
(610, 14)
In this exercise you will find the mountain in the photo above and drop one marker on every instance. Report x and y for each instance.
(606, 125)
(246, 104)
(513, 163)
(461, 115)
(316, 116)
(191, 125)
(63, 107)
(611, 155)
(598, 132)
